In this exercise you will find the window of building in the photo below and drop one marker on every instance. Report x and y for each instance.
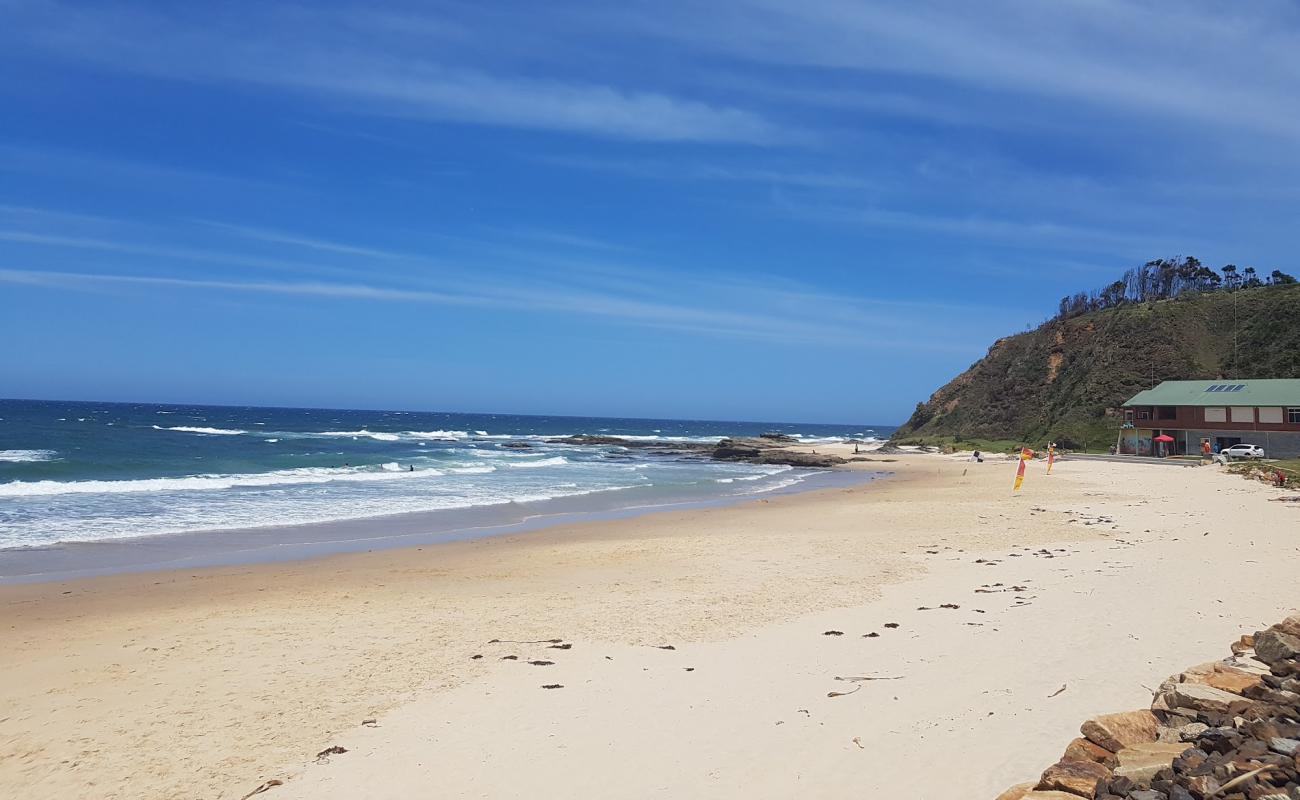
(1293, 416)
(1213, 414)
(1243, 414)
(1144, 413)
(1166, 412)
(1270, 416)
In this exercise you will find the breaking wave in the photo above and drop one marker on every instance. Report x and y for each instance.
(208, 431)
(27, 456)
(285, 477)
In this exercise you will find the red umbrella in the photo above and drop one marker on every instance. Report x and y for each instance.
(1163, 438)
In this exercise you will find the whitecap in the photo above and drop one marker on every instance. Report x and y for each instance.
(27, 456)
(207, 431)
(286, 477)
(437, 434)
(545, 462)
(642, 438)
(380, 435)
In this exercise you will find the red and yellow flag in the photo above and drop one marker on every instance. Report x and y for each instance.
(1025, 455)
(1051, 456)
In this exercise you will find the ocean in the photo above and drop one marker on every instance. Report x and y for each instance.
(95, 472)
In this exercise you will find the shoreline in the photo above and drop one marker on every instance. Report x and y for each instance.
(212, 682)
(231, 547)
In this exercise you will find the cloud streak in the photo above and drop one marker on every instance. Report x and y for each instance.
(788, 330)
(723, 305)
(1221, 65)
(362, 73)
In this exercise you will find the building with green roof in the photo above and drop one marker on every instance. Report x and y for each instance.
(1213, 414)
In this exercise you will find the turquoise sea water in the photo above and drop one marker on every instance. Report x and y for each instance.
(81, 472)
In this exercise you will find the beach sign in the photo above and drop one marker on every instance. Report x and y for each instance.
(1025, 455)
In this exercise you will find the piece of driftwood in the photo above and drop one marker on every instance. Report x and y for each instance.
(269, 784)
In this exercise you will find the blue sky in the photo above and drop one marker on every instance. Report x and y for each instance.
(813, 211)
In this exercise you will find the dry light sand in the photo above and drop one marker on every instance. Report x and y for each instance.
(206, 684)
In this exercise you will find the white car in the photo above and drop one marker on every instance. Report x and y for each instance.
(1243, 451)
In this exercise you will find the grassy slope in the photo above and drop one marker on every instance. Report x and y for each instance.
(1066, 379)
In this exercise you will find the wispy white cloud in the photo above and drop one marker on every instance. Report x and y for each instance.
(310, 243)
(1035, 234)
(371, 74)
(706, 302)
(69, 164)
(713, 321)
(562, 239)
(1231, 67)
(662, 169)
(168, 253)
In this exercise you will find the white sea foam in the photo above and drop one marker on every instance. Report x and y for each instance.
(453, 435)
(261, 514)
(781, 484)
(803, 439)
(555, 461)
(285, 477)
(208, 431)
(26, 456)
(642, 438)
(382, 436)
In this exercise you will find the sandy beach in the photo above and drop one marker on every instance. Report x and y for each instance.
(701, 653)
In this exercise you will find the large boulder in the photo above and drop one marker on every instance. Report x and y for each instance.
(1289, 625)
(1083, 750)
(1275, 646)
(1199, 697)
(1230, 679)
(1117, 731)
(1141, 762)
(1076, 777)
(1017, 792)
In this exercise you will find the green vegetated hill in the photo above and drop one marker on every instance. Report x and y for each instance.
(1066, 380)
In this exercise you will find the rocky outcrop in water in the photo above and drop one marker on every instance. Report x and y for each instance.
(1227, 730)
(640, 444)
(766, 450)
(769, 448)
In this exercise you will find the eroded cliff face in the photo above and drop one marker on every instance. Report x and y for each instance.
(1067, 379)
